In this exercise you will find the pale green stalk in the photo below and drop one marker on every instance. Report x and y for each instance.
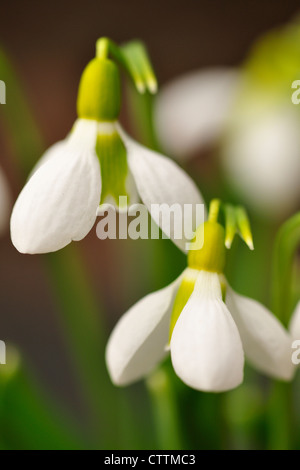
(164, 410)
(281, 426)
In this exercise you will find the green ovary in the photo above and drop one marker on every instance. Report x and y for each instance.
(114, 169)
(184, 292)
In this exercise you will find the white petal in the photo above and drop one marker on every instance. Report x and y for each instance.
(59, 202)
(139, 340)
(266, 343)
(49, 153)
(261, 156)
(206, 348)
(160, 181)
(294, 326)
(191, 111)
(81, 127)
(5, 201)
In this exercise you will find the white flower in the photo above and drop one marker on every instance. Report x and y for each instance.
(261, 154)
(209, 338)
(5, 201)
(192, 110)
(96, 162)
(257, 129)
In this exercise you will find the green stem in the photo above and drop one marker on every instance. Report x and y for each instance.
(281, 425)
(164, 410)
(25, 141)
(286, 244)
(29, 418)
(85, 334)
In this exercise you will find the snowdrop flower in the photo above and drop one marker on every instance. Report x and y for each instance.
(257, 132)
(207, 327)
(251, 113)
(192, 110)
(4, 202)
(261, 153)
(95, 164)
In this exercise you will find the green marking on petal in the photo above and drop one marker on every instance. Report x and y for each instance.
(112, 155)
(184, 292)
(223, 289)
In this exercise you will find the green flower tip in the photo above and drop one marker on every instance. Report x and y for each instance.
(211, 254)
(237, 222)
(99, 95)
(243, 225)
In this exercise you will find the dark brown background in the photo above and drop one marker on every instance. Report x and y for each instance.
(49, 44)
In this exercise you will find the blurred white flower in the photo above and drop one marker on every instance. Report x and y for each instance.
(257, 129)
(96, 163)
(261, 154)
(207, 336)
(5, 202)
(191, 111)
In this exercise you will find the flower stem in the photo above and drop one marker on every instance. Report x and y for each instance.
(85, 334)
(164, 410)
(280, 415)
(102, 48)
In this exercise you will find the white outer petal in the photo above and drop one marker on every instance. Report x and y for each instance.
(266, 343)
(5, 201)
(191, 111)
(294, 326)
(160, 181)
(138, 342)
(47, 155)
(206, 348)
(261, 157)
(59, 202)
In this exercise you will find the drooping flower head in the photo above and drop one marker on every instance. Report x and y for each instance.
(97, 162)
(206, 326)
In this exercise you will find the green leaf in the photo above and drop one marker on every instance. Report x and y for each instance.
(286, 244)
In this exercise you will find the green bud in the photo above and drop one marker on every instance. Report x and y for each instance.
(211, 256)
(99, 95)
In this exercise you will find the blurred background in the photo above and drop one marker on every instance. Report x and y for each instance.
(49, 44)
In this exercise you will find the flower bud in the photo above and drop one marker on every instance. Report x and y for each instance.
(99, 95)
(211, 257)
